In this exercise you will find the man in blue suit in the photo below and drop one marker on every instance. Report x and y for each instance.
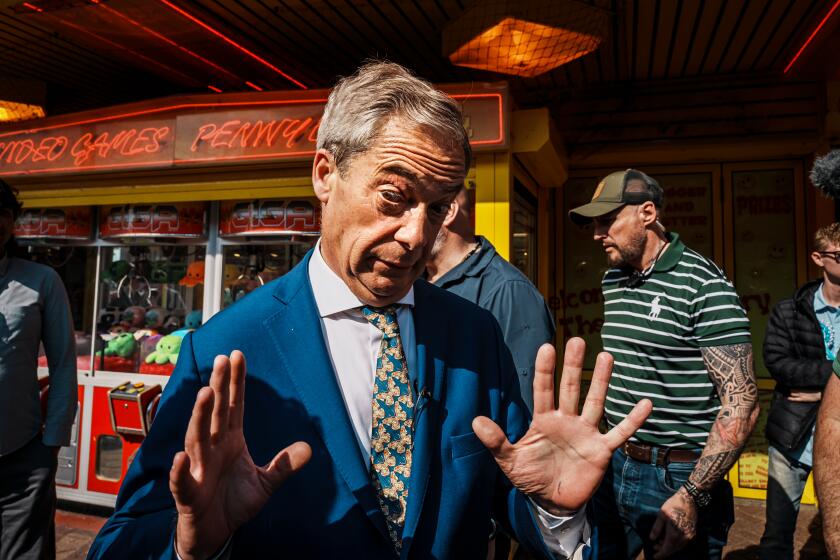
(394, 402)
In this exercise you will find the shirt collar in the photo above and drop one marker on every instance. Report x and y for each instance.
(672, 254)
(473, 265)
(819, 301)
(331, 293)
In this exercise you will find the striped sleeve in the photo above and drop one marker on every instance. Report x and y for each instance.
(719, 317)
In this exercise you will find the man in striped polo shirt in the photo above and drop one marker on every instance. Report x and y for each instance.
(679, 337)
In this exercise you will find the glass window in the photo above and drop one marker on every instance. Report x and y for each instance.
(109, 457)
(578, 307)
(247, 267)
(764, 243)
(74, 265)
(150, 297)
(523, 252)
(688, 209)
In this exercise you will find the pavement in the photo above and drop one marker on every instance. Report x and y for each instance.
(749, 525)
(76, 529)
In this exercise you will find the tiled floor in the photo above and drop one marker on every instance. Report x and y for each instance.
(75, 531)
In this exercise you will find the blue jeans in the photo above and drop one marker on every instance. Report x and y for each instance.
(785, 484)
(628, 501)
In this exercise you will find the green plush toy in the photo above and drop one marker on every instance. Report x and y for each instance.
(166, 351)
(122, 345)
(116, 270)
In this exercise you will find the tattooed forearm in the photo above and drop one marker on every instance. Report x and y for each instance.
(731, 370)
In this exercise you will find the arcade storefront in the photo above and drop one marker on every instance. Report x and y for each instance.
(158, 215)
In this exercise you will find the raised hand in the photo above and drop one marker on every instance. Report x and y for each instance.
(562, 458)
(216, 485)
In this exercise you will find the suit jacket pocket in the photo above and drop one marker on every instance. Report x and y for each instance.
(466, 445)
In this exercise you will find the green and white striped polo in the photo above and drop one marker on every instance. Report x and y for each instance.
(655, 332)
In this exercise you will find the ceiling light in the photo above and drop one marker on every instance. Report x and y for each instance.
(524, 39)
(11, 111)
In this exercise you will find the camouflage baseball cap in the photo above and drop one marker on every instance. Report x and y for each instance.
(615, 191)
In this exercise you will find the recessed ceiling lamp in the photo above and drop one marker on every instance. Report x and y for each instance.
(11, 111)
(524, 38)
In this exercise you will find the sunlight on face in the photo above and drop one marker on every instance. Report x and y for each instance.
(381, 217)
(622, 234)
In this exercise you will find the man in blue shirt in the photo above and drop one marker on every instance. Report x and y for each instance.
(803, 337)
(468, 265)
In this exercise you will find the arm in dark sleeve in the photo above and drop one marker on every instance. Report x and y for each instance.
(526, 325)
(60, 347)
(513, 509)
(143, 523)
(781, 360)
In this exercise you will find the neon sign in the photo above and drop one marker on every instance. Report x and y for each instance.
(199, 131)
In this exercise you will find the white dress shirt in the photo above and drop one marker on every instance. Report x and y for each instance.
(353, 344)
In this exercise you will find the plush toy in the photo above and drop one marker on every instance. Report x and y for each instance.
(122, 345)
(231, 275)
(118, 354)
(166, 351)
(154, 317)
(193, 320)
(132, 317)
(116, 270)
(194, 275)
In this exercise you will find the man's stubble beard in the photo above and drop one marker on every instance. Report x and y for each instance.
(631, 252)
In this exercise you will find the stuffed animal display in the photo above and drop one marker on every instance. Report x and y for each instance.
(194, 275)
(166, 351)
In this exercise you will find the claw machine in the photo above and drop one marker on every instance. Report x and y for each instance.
(149, 294)
(134, 276)
(261, 240)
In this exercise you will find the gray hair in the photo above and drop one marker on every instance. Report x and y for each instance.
(361, 104)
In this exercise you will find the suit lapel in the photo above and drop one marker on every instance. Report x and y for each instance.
(302, 351)
(427, 410)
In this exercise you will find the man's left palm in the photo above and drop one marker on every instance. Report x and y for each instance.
(562, 458)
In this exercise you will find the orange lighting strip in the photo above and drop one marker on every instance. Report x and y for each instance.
(167, 40)
(811, 37)
(230, 41)
(81, 29)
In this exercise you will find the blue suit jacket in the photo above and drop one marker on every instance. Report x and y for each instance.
(329, 509)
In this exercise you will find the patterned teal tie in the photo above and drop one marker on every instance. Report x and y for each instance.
(392, 427)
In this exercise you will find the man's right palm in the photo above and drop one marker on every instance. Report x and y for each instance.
(216, 485)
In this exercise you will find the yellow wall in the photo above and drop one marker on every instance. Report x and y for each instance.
(493, 193)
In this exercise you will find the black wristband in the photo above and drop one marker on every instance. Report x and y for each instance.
(701, 497)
